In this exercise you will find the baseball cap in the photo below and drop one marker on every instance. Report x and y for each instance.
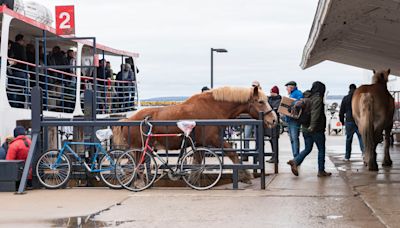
(255, 83)
(292, 83)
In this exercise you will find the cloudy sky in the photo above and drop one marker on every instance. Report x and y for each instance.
(264, 39)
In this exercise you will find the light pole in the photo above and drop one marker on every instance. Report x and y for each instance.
(219, 50)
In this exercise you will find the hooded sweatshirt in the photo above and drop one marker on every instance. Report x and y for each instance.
(318, 118)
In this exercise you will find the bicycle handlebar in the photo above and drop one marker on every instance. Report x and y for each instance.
(145, 121)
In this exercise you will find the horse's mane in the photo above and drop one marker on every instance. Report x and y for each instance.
(235, 94)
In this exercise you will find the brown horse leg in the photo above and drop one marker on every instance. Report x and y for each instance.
(372, 164)
(244, 175)
(386, 160)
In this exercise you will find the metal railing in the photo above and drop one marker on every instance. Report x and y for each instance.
(60, 90)
(113, 96)
(255, 151)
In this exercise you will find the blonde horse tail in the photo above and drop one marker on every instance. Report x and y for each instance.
(367, 123)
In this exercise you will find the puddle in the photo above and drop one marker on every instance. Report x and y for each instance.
(86, 222)
(334, 216)
(331, 217)
(81, 221)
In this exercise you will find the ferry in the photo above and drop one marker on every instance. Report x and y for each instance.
(63, 90)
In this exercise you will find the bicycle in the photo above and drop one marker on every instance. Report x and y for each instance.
(54, 167)
(200, 168)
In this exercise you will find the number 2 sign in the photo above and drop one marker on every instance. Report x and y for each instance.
(65, 20)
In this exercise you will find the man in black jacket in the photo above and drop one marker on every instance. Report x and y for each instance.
(351, 127)
(315, 131)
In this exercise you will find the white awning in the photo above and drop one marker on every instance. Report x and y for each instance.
(361, 33)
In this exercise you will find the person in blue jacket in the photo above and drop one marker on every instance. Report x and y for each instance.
(293, 125)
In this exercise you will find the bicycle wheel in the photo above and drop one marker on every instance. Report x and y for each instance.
(136, 170)
(201, 168)
(107, 163)
(51, 171)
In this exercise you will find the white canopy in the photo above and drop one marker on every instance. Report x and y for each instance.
(362, 33)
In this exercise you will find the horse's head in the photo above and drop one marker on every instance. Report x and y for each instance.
(258, 103)
(381, 77)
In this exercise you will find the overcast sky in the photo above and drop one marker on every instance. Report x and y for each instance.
(264, 39)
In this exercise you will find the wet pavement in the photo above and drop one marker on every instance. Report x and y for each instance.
(352, 197)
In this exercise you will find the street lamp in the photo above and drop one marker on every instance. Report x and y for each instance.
(219, 50)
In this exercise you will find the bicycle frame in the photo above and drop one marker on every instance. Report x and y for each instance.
(148, 148)
(99, 150)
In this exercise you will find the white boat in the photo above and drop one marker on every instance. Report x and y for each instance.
(62, 91)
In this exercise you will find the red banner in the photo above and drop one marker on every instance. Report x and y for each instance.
(65, 20)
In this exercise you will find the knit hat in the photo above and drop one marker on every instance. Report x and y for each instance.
(275, 89)
(19, 130)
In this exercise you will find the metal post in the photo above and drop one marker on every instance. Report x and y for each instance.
(275, 141)
(94, 111)
(104, 96)
(37, 62)
(260, 143)
(45, 69)
(36, 123)
(212, 77)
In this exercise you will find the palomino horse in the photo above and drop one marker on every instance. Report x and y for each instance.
(373, 109)
(220, 103)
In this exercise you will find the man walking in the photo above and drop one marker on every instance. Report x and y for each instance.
(315, 132)
(351, 127)
(293, 125)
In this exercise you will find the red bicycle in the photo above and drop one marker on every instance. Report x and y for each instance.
(200, 168)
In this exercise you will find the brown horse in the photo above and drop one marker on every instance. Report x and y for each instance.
(373, 109)
(219, 103)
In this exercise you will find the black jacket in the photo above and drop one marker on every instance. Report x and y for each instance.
(318, 118)
(275, 102)
(18, 52)
(345, 109)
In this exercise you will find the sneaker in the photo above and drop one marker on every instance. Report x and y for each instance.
(293, 166)
(324, 174)
(346, 159)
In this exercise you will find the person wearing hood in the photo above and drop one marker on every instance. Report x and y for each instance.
(293, 125)
(315, 131)
(346, 118)
(18, 148)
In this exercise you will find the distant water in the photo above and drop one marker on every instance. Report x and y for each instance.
(330, 99)
(178, 98)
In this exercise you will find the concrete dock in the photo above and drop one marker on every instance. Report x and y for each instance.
(351, 197)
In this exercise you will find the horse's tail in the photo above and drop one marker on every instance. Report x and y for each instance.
(367, 123)
(118, 135)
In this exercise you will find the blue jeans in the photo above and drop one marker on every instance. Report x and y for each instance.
(352, 128)
(294, 132)
(248, 131)
(309, 139)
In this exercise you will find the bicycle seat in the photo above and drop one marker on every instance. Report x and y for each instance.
(104, 134)
(186, 126)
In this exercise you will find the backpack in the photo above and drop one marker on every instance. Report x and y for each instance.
(303, 106)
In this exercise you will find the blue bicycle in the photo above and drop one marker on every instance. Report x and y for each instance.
(54, 167)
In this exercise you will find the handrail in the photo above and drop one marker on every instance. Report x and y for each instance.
(61, 90)
(69, 74)
(34, 65)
